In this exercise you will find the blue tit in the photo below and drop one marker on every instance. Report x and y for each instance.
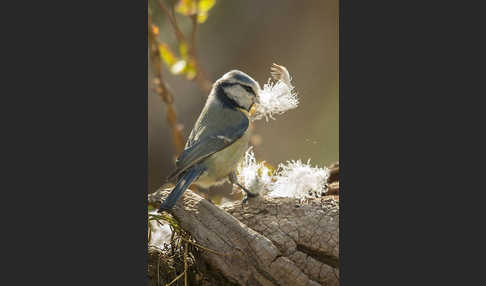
(219, 138)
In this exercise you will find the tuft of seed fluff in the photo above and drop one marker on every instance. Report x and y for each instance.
(277, 96)
(292, 179)
(298, 180)
(254, 176)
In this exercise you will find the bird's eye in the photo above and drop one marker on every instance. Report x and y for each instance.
(249, 89)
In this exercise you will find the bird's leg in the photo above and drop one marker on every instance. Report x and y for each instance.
(232, 178)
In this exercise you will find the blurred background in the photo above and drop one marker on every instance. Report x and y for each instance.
(250, 36)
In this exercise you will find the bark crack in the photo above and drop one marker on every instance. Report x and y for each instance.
(319, 256)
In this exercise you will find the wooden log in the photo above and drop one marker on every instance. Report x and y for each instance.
(266, 241)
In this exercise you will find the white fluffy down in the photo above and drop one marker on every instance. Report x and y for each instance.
(292, 179)
(276, 97)
(298, 180)
(248, 174)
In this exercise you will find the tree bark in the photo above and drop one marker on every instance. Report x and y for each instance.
(265, 241)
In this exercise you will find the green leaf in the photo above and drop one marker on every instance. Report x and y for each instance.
(202, 17)
(167, 55)
(188, 8)
(206, 5)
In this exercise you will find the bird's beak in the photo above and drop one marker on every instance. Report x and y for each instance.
(252, 109)
(256, 101)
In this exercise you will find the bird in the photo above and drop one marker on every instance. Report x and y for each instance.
(219, 138)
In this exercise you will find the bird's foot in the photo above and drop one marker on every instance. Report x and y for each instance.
(248, 195)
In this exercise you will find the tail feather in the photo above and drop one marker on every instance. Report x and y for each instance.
(184, 182)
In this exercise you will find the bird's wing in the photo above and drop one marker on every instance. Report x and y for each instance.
(210, 143)
(190, 176)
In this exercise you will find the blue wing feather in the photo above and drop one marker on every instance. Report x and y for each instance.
(189, 176)
(210, 144)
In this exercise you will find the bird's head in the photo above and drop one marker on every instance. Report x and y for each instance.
(237, 89)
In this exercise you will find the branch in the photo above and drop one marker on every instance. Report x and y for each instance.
(200, 78)
(173, 22)
(162, 89)
(334, 176)
(333, 179)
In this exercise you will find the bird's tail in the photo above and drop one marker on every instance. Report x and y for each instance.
(184, 182)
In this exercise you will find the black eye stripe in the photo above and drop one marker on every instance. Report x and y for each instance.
(249, 89)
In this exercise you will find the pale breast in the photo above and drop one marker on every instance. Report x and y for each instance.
(222, 163)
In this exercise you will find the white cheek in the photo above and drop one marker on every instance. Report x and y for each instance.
(238, 94)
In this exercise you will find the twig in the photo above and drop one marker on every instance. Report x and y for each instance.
(173, 22)
(175, 279)
(200, 78)
(149, 231)
(162, 90)
(172, 241)
(202, 247)
(185, 264)
(334, 173)
(158, 268)
(194, 29)
(333, 189)
(333, 180)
